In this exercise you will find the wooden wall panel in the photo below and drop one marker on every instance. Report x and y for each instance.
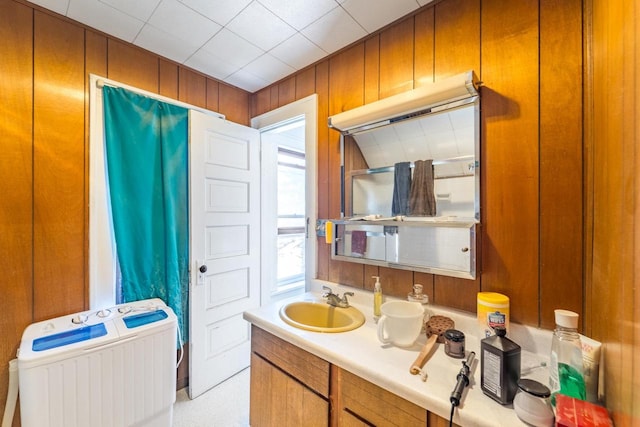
(456, 50)
(457, 37)
(306, 83)
(424, 48)
(168, 79)
(58, 158)
(192, 87)
(346, 91)
(287, 91)
(561, 201)
(261, 102)
(614, 137)
(132, 66)
(16, 181)
(274, 97)
(234, 104)
(396, 58)
(213, 95)
(322, 89)
(372, 69)
(510, 176)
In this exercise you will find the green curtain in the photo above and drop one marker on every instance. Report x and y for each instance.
(146, 144)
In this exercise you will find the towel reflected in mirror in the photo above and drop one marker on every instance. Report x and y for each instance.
(422, 200)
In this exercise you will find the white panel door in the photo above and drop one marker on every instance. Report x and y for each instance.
(225, 244)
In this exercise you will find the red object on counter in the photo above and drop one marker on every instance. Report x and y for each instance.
(571, 412)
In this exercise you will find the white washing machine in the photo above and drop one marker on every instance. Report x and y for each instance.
(113, 367)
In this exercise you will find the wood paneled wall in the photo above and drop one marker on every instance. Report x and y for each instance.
(612, 129)
(553, 209)
(531, 238)
(44, 130)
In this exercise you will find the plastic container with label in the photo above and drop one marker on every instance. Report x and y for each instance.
(493, 311)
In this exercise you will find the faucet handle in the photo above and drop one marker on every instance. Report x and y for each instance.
(327, 291)
(344, 297)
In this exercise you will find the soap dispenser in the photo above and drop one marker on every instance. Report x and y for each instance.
(377, 297)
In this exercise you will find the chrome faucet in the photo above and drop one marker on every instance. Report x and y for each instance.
(335, 300)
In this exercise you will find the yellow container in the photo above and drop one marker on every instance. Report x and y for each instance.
(493, 310)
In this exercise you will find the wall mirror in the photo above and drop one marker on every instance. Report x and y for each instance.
(436, 126)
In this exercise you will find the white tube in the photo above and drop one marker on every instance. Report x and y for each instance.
(591, 366)
(12, 394)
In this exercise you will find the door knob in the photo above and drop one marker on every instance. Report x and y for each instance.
(203, 269)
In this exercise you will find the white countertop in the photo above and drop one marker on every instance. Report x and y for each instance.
(360, 352)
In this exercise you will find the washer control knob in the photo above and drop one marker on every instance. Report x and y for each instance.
(79, 319)
(104, 313)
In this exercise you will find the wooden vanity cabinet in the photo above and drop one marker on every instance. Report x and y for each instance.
(292, 387)
(289, 386)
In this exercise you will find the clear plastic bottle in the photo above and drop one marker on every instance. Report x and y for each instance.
(565, 371)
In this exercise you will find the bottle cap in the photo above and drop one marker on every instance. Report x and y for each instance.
(501, 331)
(566, 319)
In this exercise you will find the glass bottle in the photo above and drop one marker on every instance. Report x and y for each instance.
(565, 370)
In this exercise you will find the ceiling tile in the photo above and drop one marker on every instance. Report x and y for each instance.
(299, 13)
(334, 30)
(175, 18)
(246, 80)
(374, 15)
(269, 68)
(105, 18)
(220, 11)
(298, 52)
(260, 27)
(233, 48)
(140, 9)
(58, 6)
(211, 64)
(165, 44)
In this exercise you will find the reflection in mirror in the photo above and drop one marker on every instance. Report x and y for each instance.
(449, 138)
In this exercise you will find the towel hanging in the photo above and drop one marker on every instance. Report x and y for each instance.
(401, 188)
(422, 200)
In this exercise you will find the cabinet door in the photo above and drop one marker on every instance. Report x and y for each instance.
(371, 405)
(279, 400)
(310, 370)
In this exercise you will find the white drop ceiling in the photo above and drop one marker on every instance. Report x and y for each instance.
(246, 43)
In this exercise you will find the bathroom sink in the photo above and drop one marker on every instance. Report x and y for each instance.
(321, 317)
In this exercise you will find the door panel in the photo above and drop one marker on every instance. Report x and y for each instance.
(225, 243)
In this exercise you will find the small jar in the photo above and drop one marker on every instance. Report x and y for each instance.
(532, 403)
(454, 343)
(418, 296)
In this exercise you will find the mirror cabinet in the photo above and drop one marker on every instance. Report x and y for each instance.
(398, 152)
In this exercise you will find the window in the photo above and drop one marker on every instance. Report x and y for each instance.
(288, 138)
(291, 217)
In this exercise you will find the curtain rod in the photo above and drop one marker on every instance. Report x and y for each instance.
(102, 82)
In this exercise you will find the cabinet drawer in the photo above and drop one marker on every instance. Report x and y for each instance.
(310, 370)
